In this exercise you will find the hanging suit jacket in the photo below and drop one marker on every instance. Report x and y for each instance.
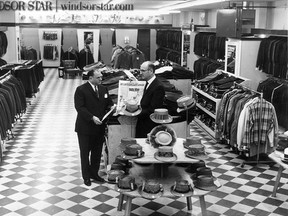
(88, 104)
(152, 99)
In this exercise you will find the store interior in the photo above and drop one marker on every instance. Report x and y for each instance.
(218, 54)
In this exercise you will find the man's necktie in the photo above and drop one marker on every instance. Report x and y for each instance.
(96, 90)
(145, 87)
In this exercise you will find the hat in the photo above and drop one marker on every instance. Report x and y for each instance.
(285, 158)
(185, 102)
(163, 128)
(163, 138)
(147, 189)
(182, 188)
(165, 154)
(205, 183)
(196, 151)
(128, 141)
(161, 116)
(133, 151)
(126, 183)
(206, 171)
(131, 108)
(120, 159)
(192, 140)
(114, 175)
(193, 167)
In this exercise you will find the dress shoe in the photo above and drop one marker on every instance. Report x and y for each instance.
(98, 178)
(87, 182)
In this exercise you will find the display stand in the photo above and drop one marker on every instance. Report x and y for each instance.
(141, 171)
(215, 101)
(257, 161)
(55, 57)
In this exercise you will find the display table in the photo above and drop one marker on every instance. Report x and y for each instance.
(277, 157)
(144, 169)
(127, 128)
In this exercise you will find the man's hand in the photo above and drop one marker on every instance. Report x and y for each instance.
(96, 120)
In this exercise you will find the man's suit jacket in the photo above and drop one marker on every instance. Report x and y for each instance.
(88, 105)
(152, 99)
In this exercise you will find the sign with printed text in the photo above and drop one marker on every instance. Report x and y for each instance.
(129, 90)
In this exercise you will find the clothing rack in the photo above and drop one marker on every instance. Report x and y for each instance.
(257, 161)
(5, 76)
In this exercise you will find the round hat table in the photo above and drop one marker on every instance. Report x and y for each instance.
(166, 173)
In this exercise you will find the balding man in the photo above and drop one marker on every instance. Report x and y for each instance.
(153, 98)
(92, 101)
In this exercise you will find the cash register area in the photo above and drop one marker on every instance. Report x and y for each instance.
(40, 173)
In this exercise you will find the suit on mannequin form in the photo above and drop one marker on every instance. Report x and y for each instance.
(152, 99)
(91, 107)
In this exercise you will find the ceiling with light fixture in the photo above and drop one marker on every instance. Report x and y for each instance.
(181, 5)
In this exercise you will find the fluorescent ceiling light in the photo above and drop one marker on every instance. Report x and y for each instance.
(191, 4)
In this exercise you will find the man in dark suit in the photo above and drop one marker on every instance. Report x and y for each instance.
(153, 98)
(92, 101)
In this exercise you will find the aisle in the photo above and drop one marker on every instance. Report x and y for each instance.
(40, 174)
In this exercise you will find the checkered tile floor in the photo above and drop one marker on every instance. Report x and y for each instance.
(40, 174)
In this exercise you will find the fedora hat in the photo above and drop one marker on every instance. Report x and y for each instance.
(203, 171)
(196, 151)
(185, 102)
(125, 184)
(133, 151)
(205, 183)
(165, 154)
(161, 116)
(155, 130)
(285, 157)
(126, 141)
(192, 140)
(176, 189)
(120, 159)
(193, 167)
(113, 176)
(131, 108)
(144, 189)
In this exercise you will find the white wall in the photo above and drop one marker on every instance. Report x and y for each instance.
(12, 53)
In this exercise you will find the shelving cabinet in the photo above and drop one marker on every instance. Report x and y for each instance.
(241, 57)
(207, 107)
